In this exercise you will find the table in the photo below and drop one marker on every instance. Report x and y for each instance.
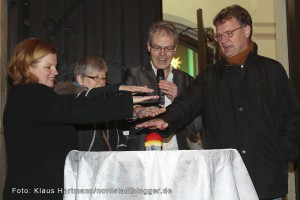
(163, 175)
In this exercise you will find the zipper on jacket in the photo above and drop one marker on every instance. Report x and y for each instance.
(258, 94)
(242, 71)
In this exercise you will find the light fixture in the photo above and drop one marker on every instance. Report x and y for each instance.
(176, 62)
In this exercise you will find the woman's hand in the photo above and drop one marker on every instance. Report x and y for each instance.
(139, 99)
(136, 89)
(142, 112)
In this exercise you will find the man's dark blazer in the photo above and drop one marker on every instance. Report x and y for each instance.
(145, 76)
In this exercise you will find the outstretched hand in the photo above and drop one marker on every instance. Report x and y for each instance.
(135, 89)
(153, 124)
(142, 112)
(139, 99)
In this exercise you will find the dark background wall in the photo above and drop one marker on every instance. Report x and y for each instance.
(113, 29)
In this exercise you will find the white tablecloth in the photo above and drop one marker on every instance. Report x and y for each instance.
(163, 175)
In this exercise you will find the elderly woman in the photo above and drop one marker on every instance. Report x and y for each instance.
(38, 122)
(91, 72)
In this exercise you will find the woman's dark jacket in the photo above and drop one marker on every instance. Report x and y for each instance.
(250, 108)
(39, 134)
(95, 137)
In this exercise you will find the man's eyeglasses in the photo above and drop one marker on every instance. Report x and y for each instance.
(159, 48)
(97, 78)
(227, 34)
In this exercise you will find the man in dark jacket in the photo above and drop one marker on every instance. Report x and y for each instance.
(246, 103)
(162, 43)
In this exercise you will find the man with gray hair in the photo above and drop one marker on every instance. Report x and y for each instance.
(162, 43)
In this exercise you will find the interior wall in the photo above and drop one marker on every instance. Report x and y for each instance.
(281, 34)
(3, 60)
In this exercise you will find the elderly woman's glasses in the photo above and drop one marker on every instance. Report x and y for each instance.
(97, 78)
(227, 34)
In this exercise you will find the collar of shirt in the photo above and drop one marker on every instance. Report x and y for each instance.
(170, 75)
